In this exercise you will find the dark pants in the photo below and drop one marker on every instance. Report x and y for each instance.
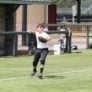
(40, 54)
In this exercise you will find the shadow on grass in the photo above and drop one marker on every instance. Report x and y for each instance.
(76, 51)
(54, 77)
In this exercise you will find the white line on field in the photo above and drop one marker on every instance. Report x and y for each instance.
(14, 78)
(13, 68)
(70, 72)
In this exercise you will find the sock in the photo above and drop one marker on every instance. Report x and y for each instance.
(41, 70)
(34, 69)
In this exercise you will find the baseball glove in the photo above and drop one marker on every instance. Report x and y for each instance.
(42, 39)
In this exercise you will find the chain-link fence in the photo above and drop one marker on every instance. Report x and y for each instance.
(12, 42)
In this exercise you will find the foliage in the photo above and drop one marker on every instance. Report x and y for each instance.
(64, 3)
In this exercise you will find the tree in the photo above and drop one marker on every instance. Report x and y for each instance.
(64, 3)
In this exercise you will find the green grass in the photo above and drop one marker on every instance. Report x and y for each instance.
(63, 73)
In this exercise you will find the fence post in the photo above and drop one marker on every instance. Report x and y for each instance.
(67, 41)
(27, 39)
(70, 42)
(15, 44)
(87, 37)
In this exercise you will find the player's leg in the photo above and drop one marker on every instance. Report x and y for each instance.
(42, 61)
(35, 61)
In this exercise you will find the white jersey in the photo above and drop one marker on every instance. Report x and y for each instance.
(62, 35)
(41, 45)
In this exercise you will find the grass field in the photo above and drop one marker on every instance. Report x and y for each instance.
(63, 73)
